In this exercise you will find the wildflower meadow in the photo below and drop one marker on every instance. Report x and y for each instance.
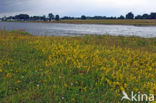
(68, 69)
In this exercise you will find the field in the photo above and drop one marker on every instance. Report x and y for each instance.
(84, 69)
(141, 22)
(116, 22)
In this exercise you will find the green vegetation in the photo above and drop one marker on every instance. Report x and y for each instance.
(84, 69)
(140, 22)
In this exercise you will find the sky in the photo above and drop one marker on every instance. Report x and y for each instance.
(76, 8)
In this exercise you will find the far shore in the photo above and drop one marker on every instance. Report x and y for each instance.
(139, 22)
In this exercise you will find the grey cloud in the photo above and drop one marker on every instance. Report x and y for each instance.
(76, 7)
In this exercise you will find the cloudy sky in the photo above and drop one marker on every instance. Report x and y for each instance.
(76, 7)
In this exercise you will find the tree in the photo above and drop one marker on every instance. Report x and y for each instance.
(43, 18)
(67, 18)
(51, 16)
(130, 15)
(145, 16)
(121, 17)
(22, 16)
(57, 18)
(36, 18)
(83, 17)
(138, 17)
(153, 16)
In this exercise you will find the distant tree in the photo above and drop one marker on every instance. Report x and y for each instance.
(97, 17)
(121, 17)
(153, 16)
(57, 18)
(51, 16)
(145, 16)
(138, 17)
(67, 18)
(35, 18)
(83, 17)
(130, 15)
(22, 16)
(43, 18)
(10, 18)
(112, 17)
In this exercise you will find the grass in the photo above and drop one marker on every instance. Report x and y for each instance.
(111, 22)
(84, 69)
(139, 22)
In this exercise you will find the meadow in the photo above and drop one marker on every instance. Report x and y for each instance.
(66, 69)
(137, 22)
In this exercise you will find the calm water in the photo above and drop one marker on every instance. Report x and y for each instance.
(80, 29)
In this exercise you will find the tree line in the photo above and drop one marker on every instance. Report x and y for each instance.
(51, 16)
(26, 17)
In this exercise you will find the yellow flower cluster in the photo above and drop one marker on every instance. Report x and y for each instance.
(77, 69)
(127, 68)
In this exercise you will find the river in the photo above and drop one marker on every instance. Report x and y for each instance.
(80, 29)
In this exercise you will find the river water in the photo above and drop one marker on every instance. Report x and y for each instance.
(80, 29)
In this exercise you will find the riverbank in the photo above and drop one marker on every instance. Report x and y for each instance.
(81, 69)
(142, 22)
(111, 22)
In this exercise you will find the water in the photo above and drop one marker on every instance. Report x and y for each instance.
(80, 29)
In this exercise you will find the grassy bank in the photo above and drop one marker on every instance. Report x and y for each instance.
(89, 69)
(112, 22)
(107, 22)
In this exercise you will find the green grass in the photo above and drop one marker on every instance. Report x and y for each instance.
(111, 22)
(139, 22)
(85, 69)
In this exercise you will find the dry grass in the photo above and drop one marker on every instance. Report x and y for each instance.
(118, 22)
